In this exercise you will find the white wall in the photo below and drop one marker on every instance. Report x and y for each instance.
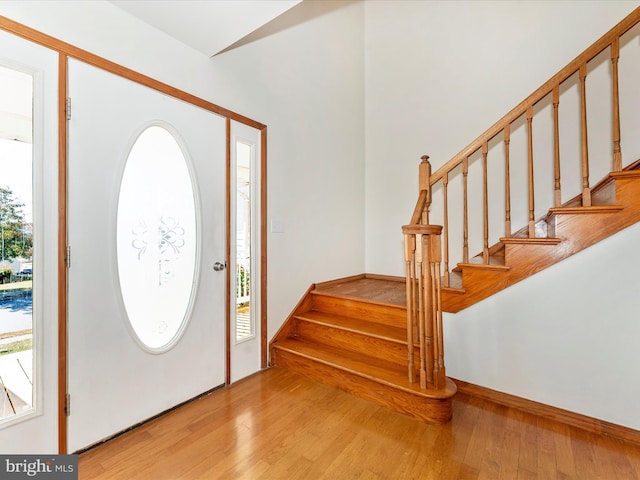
(304, 81)
(568, 336)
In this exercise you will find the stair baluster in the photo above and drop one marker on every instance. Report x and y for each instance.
(410, 261)
(507, 182)
(465, 213)
(485, 200)
(445, 193)
(532, 200)
(557, 192)
(586, 190)
(617, 153)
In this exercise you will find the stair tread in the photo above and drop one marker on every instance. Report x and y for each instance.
(373, 329)
(496, 262)
(368, 290)
(366, 366)
(533, 241)
(587, 210)
(625, 174)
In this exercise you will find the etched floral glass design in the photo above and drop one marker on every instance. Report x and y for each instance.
(156, 238)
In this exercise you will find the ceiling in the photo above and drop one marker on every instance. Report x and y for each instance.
(209, 26)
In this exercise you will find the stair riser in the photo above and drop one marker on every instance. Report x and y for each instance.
(581, 231)
(605, 195)
(303, 305)
(431, 410)
(384, 314)
(355, 342)
(526, 260)
(479, 284)
(628, 195)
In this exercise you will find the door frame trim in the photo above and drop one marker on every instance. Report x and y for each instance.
(62, 253)
(66, 51)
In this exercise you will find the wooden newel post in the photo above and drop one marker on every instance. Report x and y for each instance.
(423, 256)
(425, 185)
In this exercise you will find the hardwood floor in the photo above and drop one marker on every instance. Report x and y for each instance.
(281, 425)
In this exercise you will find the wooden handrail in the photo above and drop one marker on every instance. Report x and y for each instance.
(421, 205)
(574, 66)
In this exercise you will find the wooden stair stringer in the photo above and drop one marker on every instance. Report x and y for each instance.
(570, 228)
(286, 329)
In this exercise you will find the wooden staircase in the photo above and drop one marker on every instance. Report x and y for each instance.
(352, 334)
(562, 232)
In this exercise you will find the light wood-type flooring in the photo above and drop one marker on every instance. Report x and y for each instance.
(280, 425)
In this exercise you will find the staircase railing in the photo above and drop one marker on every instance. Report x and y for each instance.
(543, 105)
(424, 313)
(513, 134)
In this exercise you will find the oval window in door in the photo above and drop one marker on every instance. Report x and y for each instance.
(156, 239)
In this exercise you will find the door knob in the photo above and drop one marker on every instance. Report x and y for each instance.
(218, 267)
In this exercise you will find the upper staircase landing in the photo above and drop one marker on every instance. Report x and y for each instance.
(373, 288)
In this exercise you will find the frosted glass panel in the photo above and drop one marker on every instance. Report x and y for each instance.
(156, 238)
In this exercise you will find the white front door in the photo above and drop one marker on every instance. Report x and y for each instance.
(28, 210)
(146, 225)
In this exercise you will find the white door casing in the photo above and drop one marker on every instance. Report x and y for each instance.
(114, 382)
